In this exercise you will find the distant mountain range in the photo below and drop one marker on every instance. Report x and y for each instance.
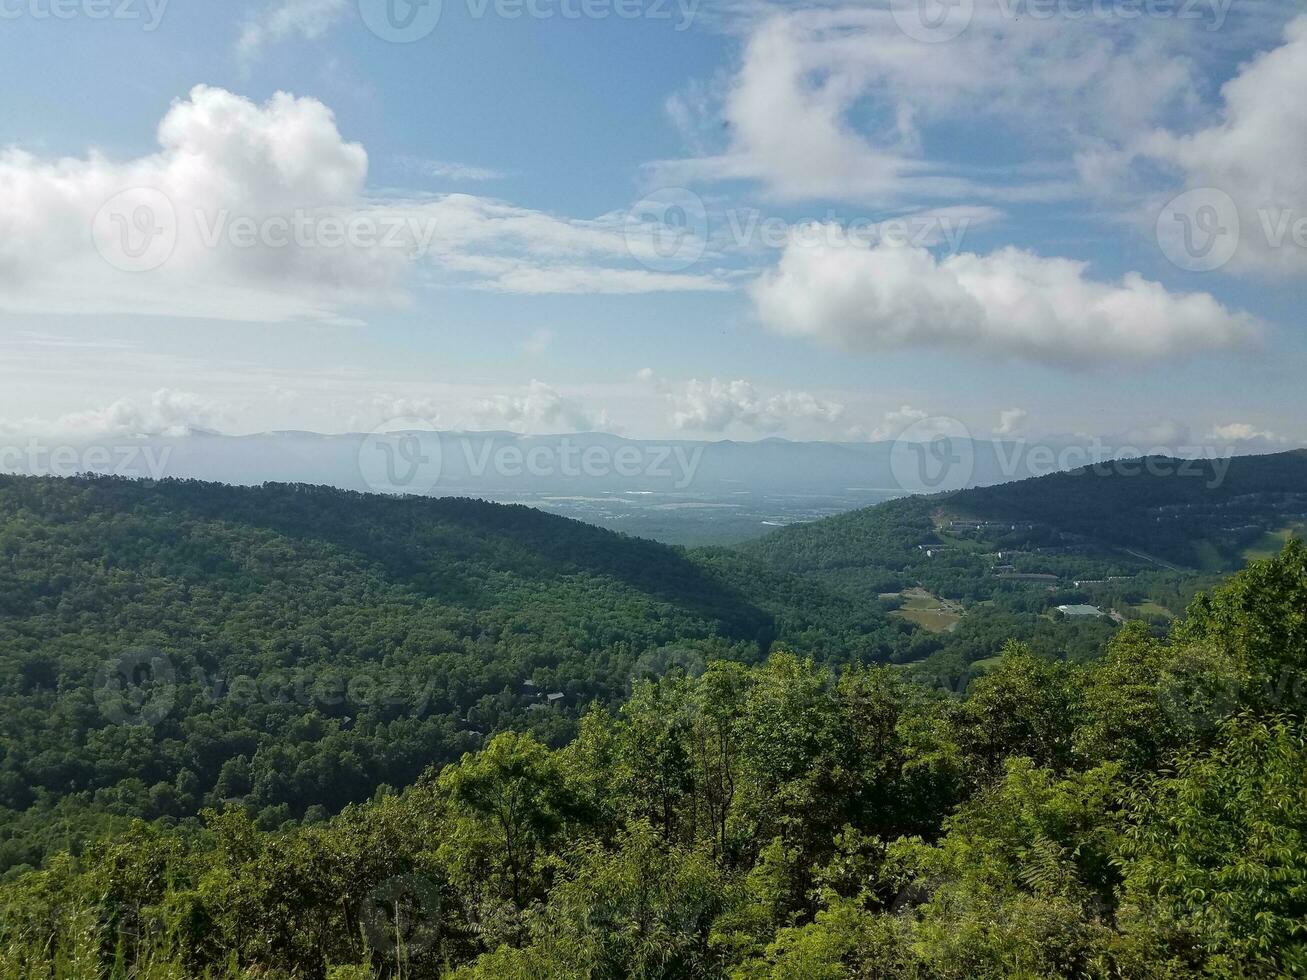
(507, 463)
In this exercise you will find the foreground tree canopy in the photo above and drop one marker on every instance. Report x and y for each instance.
(1139, 815)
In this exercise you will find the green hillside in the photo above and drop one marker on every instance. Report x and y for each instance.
(166, 646)
(1089, 523)
(1195, 514)
(1142, 815)
(1134, 539)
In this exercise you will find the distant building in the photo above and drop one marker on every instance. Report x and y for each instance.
(1080, 610)
(1027, 577)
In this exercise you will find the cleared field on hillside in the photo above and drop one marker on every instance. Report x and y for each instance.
(929, 611)
(1270, 543)
(1152, 609)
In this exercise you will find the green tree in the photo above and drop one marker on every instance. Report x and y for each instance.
(1215, 853)
(506, 806)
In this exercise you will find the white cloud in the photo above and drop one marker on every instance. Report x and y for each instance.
(496, 239)
(895, 421)
(222, 159)
(166, 412)
(788, 125)
(540, 406)
(1009, 302)
(309, 19)
(259, 212)
(716, 405)
(492, 245)
(1257, 154)
(1175, 437)
(388, 407)
(837, 102)
(1011, 421)
(1245, 432)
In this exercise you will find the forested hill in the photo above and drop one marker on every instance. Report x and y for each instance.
(1093, 522)
(166, 646)
(1142, 815)
(1192, 512)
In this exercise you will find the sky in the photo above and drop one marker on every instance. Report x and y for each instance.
(658, 218)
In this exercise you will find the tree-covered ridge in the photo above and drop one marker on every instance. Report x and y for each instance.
(1084, 523)
(1142, 815)
(296, 647)
(1192, 512)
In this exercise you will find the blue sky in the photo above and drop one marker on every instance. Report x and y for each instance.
(666, 223)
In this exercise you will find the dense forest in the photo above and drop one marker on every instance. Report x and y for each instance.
(168, 646)
(1141, 814)
(291, 730)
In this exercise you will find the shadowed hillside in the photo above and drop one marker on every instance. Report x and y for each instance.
(165, 646)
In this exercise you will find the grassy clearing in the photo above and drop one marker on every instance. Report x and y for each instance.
(929, 611)
(1152, 609)
(1270, 544)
